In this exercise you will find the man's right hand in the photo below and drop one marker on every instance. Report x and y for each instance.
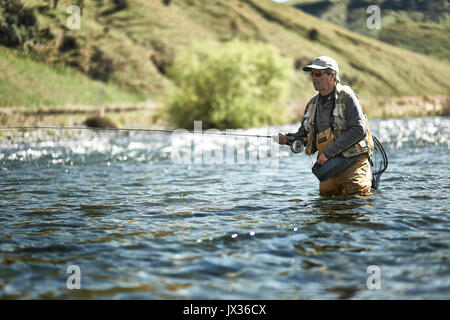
(281, 138)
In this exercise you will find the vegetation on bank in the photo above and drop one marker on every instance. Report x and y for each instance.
(124, 51)
(407, 107)
(234, 85)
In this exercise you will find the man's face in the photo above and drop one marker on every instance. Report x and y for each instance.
(321, 81)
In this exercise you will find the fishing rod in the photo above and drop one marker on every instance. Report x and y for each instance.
(130, 129)
(296, 145)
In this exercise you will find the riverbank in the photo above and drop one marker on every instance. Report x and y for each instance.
(390, 107)
(148, 115)
(407, 107)
(137, 115)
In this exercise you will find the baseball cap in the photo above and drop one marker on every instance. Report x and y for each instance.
(324, 62)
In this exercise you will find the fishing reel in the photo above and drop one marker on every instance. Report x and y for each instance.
(297, 146)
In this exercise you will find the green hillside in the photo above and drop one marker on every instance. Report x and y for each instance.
(25, 82)
(421, 26)
(125, 48)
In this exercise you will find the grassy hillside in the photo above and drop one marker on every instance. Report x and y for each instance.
(25, 82)
(421, 26)
(125, 51)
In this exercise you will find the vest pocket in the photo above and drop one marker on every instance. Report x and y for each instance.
(340, 123)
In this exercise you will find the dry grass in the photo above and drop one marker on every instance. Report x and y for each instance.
(402, 107)
(141, 115)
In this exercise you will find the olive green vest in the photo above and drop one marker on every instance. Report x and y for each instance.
(342, 93)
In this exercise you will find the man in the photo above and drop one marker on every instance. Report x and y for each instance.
(334, 124)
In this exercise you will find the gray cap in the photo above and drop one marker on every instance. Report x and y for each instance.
(324, 62)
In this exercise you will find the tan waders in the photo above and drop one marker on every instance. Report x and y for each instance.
(356, 179)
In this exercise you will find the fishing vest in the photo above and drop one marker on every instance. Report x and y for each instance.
(339, 124)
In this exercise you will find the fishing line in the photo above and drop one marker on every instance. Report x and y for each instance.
(297, 146)
(134, 129)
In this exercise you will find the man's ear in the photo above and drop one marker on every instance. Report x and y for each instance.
(333, 76)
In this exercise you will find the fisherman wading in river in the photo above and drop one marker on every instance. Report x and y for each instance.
(335, 126)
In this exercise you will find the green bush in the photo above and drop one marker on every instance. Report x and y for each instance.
(17, 23)
(101, 66)
(232, 85)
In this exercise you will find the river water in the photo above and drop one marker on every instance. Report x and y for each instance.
(159, 216)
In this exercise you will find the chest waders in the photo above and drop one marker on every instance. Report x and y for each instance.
(347, 176)
(332, 166)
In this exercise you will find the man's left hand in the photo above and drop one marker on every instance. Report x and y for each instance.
(322, 159)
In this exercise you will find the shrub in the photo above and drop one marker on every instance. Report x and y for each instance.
(101, 66)
(313, 34)
(232, 85)
(17, 23)
(162, 57)
(121, 4)
(68, 43)
(300, 62)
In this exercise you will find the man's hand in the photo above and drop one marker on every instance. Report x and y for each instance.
(281, 138)
(322, 159)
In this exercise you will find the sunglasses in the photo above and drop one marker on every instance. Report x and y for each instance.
(317, 74)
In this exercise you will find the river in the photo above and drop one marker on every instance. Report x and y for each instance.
(159, 216)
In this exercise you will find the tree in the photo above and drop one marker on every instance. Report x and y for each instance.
(232, 85)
